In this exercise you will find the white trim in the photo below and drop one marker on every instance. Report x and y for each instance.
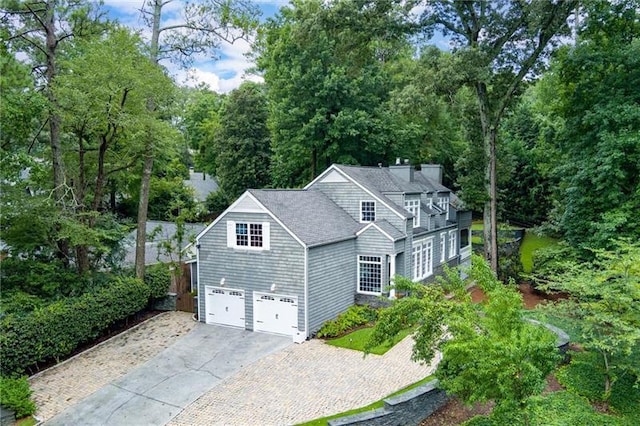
(373, 225)
(453, 247)
(426, 270)
(200, 283)
(229, 210)
(358, 274)
(301, 338)
(359, 185)
(392, 276)
(232, 235)
(361, 212)
(443, 247)
(416, 216)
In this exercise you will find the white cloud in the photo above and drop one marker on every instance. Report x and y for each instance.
(221, 75)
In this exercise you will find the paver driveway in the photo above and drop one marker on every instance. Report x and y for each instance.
(184, 384)
(161, 388)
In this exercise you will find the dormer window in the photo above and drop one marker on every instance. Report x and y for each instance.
(413, 207)
(443, 204)
(367, 211)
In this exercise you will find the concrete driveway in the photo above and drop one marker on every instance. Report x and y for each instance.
(160, 389)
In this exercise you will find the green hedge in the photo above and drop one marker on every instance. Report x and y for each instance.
(353, 317)
(54, 331)
(158, 278)
(16, 395)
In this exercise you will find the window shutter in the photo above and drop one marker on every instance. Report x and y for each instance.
(266, 236)
(231, 233)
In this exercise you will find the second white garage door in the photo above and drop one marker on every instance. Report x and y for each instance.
(225, 306)
(275, 313)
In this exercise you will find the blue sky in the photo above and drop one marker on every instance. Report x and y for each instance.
(222, 75)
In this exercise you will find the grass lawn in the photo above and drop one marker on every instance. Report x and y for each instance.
(358, 339)
(375, 405)
(530, 243)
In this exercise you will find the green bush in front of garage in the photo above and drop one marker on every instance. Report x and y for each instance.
(355, 316)
(54, 331)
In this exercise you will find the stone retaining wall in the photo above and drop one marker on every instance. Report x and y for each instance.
(408, 408)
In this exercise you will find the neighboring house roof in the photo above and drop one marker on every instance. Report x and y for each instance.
(310, 215)
(166, 231)
(202, 184)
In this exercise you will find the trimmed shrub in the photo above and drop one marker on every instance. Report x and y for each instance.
(158, 278)
(15, 394)
(54, 331)
(353, 317)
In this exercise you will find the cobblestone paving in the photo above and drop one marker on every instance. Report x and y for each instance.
(67, 383)
(304, 382)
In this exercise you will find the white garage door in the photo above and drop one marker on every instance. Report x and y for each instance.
(275, 313)
(225, 306)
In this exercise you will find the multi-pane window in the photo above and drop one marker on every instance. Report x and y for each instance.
(452, 243)
(255, 234)
(248, 235)
(369, 274)
(443, 204)
(413, 207)
(242, 235)
(417, 261)
(367, 211)
(443, 246)
(427, 258)
(422, 258)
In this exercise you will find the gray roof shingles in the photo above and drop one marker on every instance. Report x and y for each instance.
(310, 215)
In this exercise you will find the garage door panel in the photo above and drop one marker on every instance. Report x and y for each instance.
(275, 313)
(225, 306)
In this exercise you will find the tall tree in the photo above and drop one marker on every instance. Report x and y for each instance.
(204, 26)
(243, 141)
(103, 98)
(597, 84)
(499, 43)
(37, 28)
(324, 66)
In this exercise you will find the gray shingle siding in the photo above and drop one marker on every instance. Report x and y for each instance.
(332, 281)
(282, 264)
(348, 195)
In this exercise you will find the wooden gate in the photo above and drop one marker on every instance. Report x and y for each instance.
(184, 301)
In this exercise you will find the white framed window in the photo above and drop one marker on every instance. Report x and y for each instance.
(417, 261)
(370, 274)
(443, 247)
(367, 211)
(443, 204)
(422, 258)
(452, 243)
(427, 257)
(413, 207)
(248, 235)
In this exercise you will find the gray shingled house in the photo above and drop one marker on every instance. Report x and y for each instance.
(285, 261)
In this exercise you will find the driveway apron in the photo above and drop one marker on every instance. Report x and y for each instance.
(160, 389)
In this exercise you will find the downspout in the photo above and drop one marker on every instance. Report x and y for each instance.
(306, 293)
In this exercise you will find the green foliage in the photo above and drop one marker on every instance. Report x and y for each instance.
(324, 65)
(158, 278)
(530, 246)
(605, 302)
(489, 353)
(353, 317)
(54, 331)
(46, 279)
(586, 373)
(217, 202)
(597, 86)
(15, 394)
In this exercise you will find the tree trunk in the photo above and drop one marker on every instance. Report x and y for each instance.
(54, 121)
(145, 181)
(143, 205)
(493, 199)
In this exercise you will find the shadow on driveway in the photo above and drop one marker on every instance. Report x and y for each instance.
(160, 389)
